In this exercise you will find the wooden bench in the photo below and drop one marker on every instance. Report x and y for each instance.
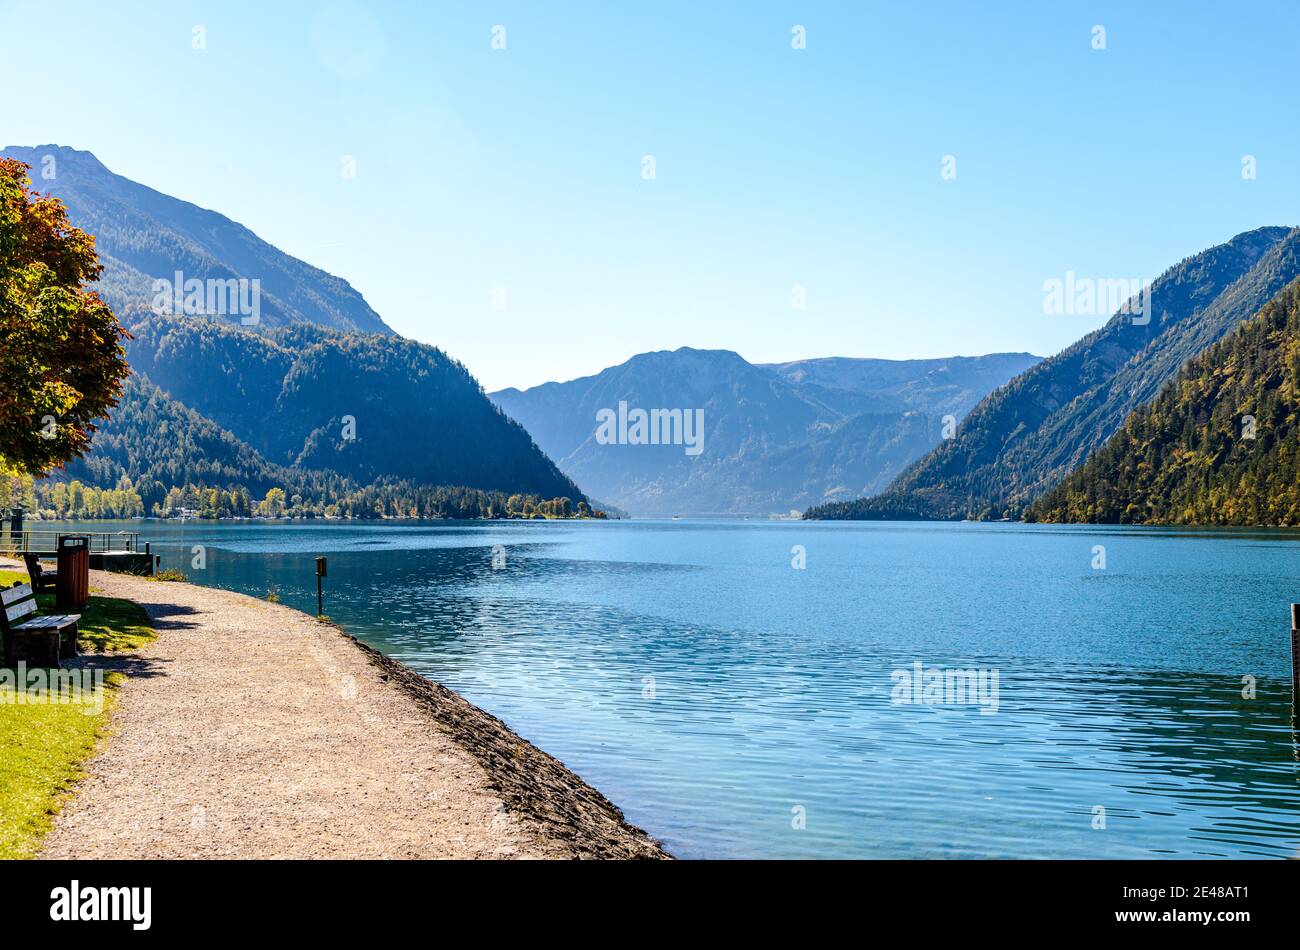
(47, 639)
(42, 578)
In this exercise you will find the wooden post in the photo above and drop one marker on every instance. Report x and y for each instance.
(322, 568)
(1295, 655)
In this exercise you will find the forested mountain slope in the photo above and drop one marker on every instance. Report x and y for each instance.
(1219, 446)
(362, 405)
(1027, 436)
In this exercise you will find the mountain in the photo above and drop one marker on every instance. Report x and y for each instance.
(774, 437)
(319, 396)
(1026, 437)
(152, 437)
(1220, 445)
(143, 235)
(155, 454)
(361, 405)
(862, 453)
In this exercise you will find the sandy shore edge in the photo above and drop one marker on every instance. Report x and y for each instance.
(138, 792)
(531, 782)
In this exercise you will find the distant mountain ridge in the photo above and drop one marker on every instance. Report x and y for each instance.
(143, 235)
(1026, 437)
(947, 385)
(776, 437)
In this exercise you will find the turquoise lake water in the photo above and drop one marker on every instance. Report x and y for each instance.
(736, 706)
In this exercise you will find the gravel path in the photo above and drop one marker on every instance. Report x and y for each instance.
(250, 730)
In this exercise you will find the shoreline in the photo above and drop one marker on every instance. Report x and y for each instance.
(253, 730)
(530, 781)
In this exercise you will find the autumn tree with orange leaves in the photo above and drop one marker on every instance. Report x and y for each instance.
(61, 357)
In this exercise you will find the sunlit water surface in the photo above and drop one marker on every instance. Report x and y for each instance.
(735, 706)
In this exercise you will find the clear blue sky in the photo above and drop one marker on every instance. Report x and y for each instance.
(522, 168)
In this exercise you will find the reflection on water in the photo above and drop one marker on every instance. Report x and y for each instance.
(717, 694)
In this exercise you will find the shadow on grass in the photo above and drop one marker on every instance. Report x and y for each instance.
(107, 624)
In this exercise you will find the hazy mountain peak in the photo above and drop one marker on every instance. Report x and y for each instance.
(774, 439)
(143, 235)
(62, 154)
(686, 356)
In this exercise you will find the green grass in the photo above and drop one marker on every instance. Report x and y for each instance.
(41, 751)
(43, 746)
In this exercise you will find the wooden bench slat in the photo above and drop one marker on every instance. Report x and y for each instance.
(20, 610)
(55, 622)
(54, 619)
(11, 594)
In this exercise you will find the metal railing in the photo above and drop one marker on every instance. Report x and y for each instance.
(101, 542)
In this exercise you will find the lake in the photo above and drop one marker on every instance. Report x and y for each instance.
(792, 689)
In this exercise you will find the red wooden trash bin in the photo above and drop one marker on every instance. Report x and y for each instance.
(72, 585)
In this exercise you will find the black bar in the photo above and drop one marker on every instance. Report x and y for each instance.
(972, 900)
